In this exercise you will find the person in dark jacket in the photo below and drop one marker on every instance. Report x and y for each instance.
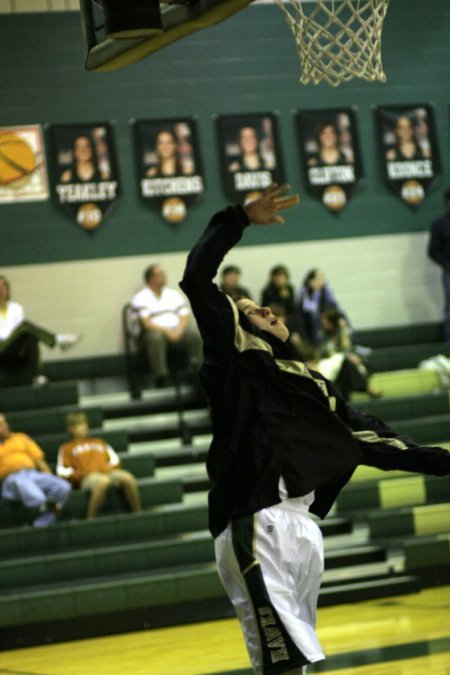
(284, 443)
(439, 251)
(315, 296)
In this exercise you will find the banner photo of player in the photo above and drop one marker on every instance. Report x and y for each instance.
(250, 154)
(23, 172)
(84, 171)
(409, 150)
(169, 165)
(330, 154)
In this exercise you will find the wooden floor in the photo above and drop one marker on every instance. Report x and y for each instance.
(405, 635)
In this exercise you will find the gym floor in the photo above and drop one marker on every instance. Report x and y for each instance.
(403, 635)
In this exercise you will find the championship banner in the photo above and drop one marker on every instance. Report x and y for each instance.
(169, 165)
(84, 171)
(330, 155)
(409, 150)
(23, 173)
(250, 154)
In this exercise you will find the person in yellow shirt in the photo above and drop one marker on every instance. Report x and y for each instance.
(27, 478)
(92, 464)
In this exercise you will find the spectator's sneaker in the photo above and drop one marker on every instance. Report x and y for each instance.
(40, 381)
(66, 341)
(45, 519)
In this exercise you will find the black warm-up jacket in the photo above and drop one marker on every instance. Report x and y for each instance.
(271, 416)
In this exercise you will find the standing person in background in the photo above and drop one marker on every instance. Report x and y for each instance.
(166, 322)
(439, 251)
(19, 342)
(92, 464)
(315, 295)
(230, 279)
(27, 478)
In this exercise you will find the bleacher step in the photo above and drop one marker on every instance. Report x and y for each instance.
(366, 590)
(155, 557)
(18, 399)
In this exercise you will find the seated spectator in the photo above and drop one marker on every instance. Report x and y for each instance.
(91, 464)
(315, 295)
(229, 283)
(280, 297)
(165, 319)
(19, 342)
(336, 331)
(338, 360)
(27, 478)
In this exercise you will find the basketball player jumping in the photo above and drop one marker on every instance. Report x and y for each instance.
(284, 443)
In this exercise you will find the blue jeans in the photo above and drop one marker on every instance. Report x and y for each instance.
(33, 488)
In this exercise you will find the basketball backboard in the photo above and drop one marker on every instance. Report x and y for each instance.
(176, 19)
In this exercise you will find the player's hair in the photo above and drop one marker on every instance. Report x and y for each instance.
(7, 285)
(72, 419)
(240, 295)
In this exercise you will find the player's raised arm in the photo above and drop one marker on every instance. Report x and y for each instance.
(265, 210)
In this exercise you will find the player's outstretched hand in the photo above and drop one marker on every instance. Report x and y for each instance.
(264, 210)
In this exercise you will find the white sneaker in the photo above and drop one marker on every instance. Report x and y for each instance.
(66, 341)
(40, 381)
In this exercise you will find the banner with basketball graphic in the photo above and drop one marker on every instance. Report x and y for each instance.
(409, 150)
(330, 155)
(250, 154)
(23, 172)
(169, 166)
(83, 171)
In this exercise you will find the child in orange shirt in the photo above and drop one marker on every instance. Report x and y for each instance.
(92, 464)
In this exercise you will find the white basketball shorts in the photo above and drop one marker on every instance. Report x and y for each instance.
(271, 565)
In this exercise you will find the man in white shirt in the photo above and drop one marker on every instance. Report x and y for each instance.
(166, 320)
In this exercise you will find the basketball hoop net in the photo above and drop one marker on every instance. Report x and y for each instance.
(338, 40)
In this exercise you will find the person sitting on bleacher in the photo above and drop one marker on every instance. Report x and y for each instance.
(27, 478)
(90, 463)
(230, 283)
(349, 370)
(315, 295)
(19, 342)
(166, 321)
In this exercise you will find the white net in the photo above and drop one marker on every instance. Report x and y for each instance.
(338, 40)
